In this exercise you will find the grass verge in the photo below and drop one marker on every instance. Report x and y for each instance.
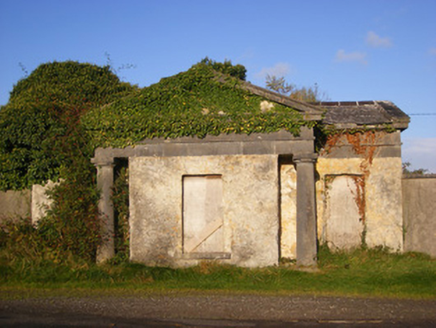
(360, 273)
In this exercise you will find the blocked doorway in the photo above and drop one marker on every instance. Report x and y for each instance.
(202, 214)
(344, 211)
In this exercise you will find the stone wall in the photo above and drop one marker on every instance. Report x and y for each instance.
(250, 207)
(40, 200)
(419, 206)
(359, 192)
(15, 204)
(288, 211)
(25, 203)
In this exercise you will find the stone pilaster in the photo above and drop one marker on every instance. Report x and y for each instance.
(306, 211)
(105, 181)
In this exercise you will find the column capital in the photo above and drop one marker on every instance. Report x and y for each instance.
(305, 158)
(103, 161)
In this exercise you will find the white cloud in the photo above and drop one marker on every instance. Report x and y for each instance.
(375, 41)
(420, 152)
(359, 57)
(279, 70)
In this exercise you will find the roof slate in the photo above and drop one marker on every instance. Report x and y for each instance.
(369, 113)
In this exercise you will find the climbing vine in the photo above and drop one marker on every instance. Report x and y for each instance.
(42, 138)
(40, 124)
(198, 102)
(120, 198)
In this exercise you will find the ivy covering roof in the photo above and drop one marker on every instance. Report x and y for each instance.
(198, 102)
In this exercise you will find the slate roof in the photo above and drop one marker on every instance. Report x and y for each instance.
(349, 114)
(341, 114)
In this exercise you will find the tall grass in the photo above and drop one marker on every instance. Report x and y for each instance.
(362, 272)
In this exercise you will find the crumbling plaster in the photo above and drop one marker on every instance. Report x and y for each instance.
(250, 201)
(379, 164)
(288, 211)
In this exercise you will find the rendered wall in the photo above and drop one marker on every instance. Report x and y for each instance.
(14, 204)
(344, 216)
(250, 200)
(259, 202)
(374, 159)
(40, 200)
(288, 211)
(359, 198)
(419, 206)
(26, 203)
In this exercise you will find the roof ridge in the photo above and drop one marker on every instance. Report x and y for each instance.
(309, 110)
(347, 102)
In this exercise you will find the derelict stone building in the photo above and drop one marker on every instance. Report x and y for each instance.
(251, 200)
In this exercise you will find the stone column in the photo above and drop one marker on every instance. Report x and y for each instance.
(105, 181)
(306, 211)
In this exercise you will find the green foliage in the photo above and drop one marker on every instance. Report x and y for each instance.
(59, 113)
(71, 230)
(198, 102)
(41, 138)
(23, 244)
(44, 110)
(227, 68)
(68, 84)
(120, 199)
(73, 224)
(370, 272)
(19, 239)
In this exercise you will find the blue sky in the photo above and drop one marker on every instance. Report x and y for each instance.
(354, 50)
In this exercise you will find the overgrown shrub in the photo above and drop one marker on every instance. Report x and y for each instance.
(120, 198)
(41, 139)
(58, 115)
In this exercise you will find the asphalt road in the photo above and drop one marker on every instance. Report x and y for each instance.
(215, 311)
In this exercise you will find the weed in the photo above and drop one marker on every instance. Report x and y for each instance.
(360, 272)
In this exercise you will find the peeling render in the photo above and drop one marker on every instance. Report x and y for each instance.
(250, 207)
(381, 177)
(273, 199)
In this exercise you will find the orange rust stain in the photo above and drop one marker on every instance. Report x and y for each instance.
(360, 197)
(363, 144)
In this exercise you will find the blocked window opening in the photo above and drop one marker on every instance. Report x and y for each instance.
(345, 210)
(202, 214)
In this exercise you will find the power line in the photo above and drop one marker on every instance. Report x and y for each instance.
(422, 114)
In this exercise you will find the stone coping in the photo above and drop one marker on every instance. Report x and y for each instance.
(419, 176)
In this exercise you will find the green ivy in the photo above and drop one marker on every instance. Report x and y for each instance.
(43, 111)
(58, 115)
(198, 102)
(120, 199)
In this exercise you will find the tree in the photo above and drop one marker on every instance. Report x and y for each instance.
(40, 125)
(279, 84)
(407, 170)
(238, 71)
(42, 138)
